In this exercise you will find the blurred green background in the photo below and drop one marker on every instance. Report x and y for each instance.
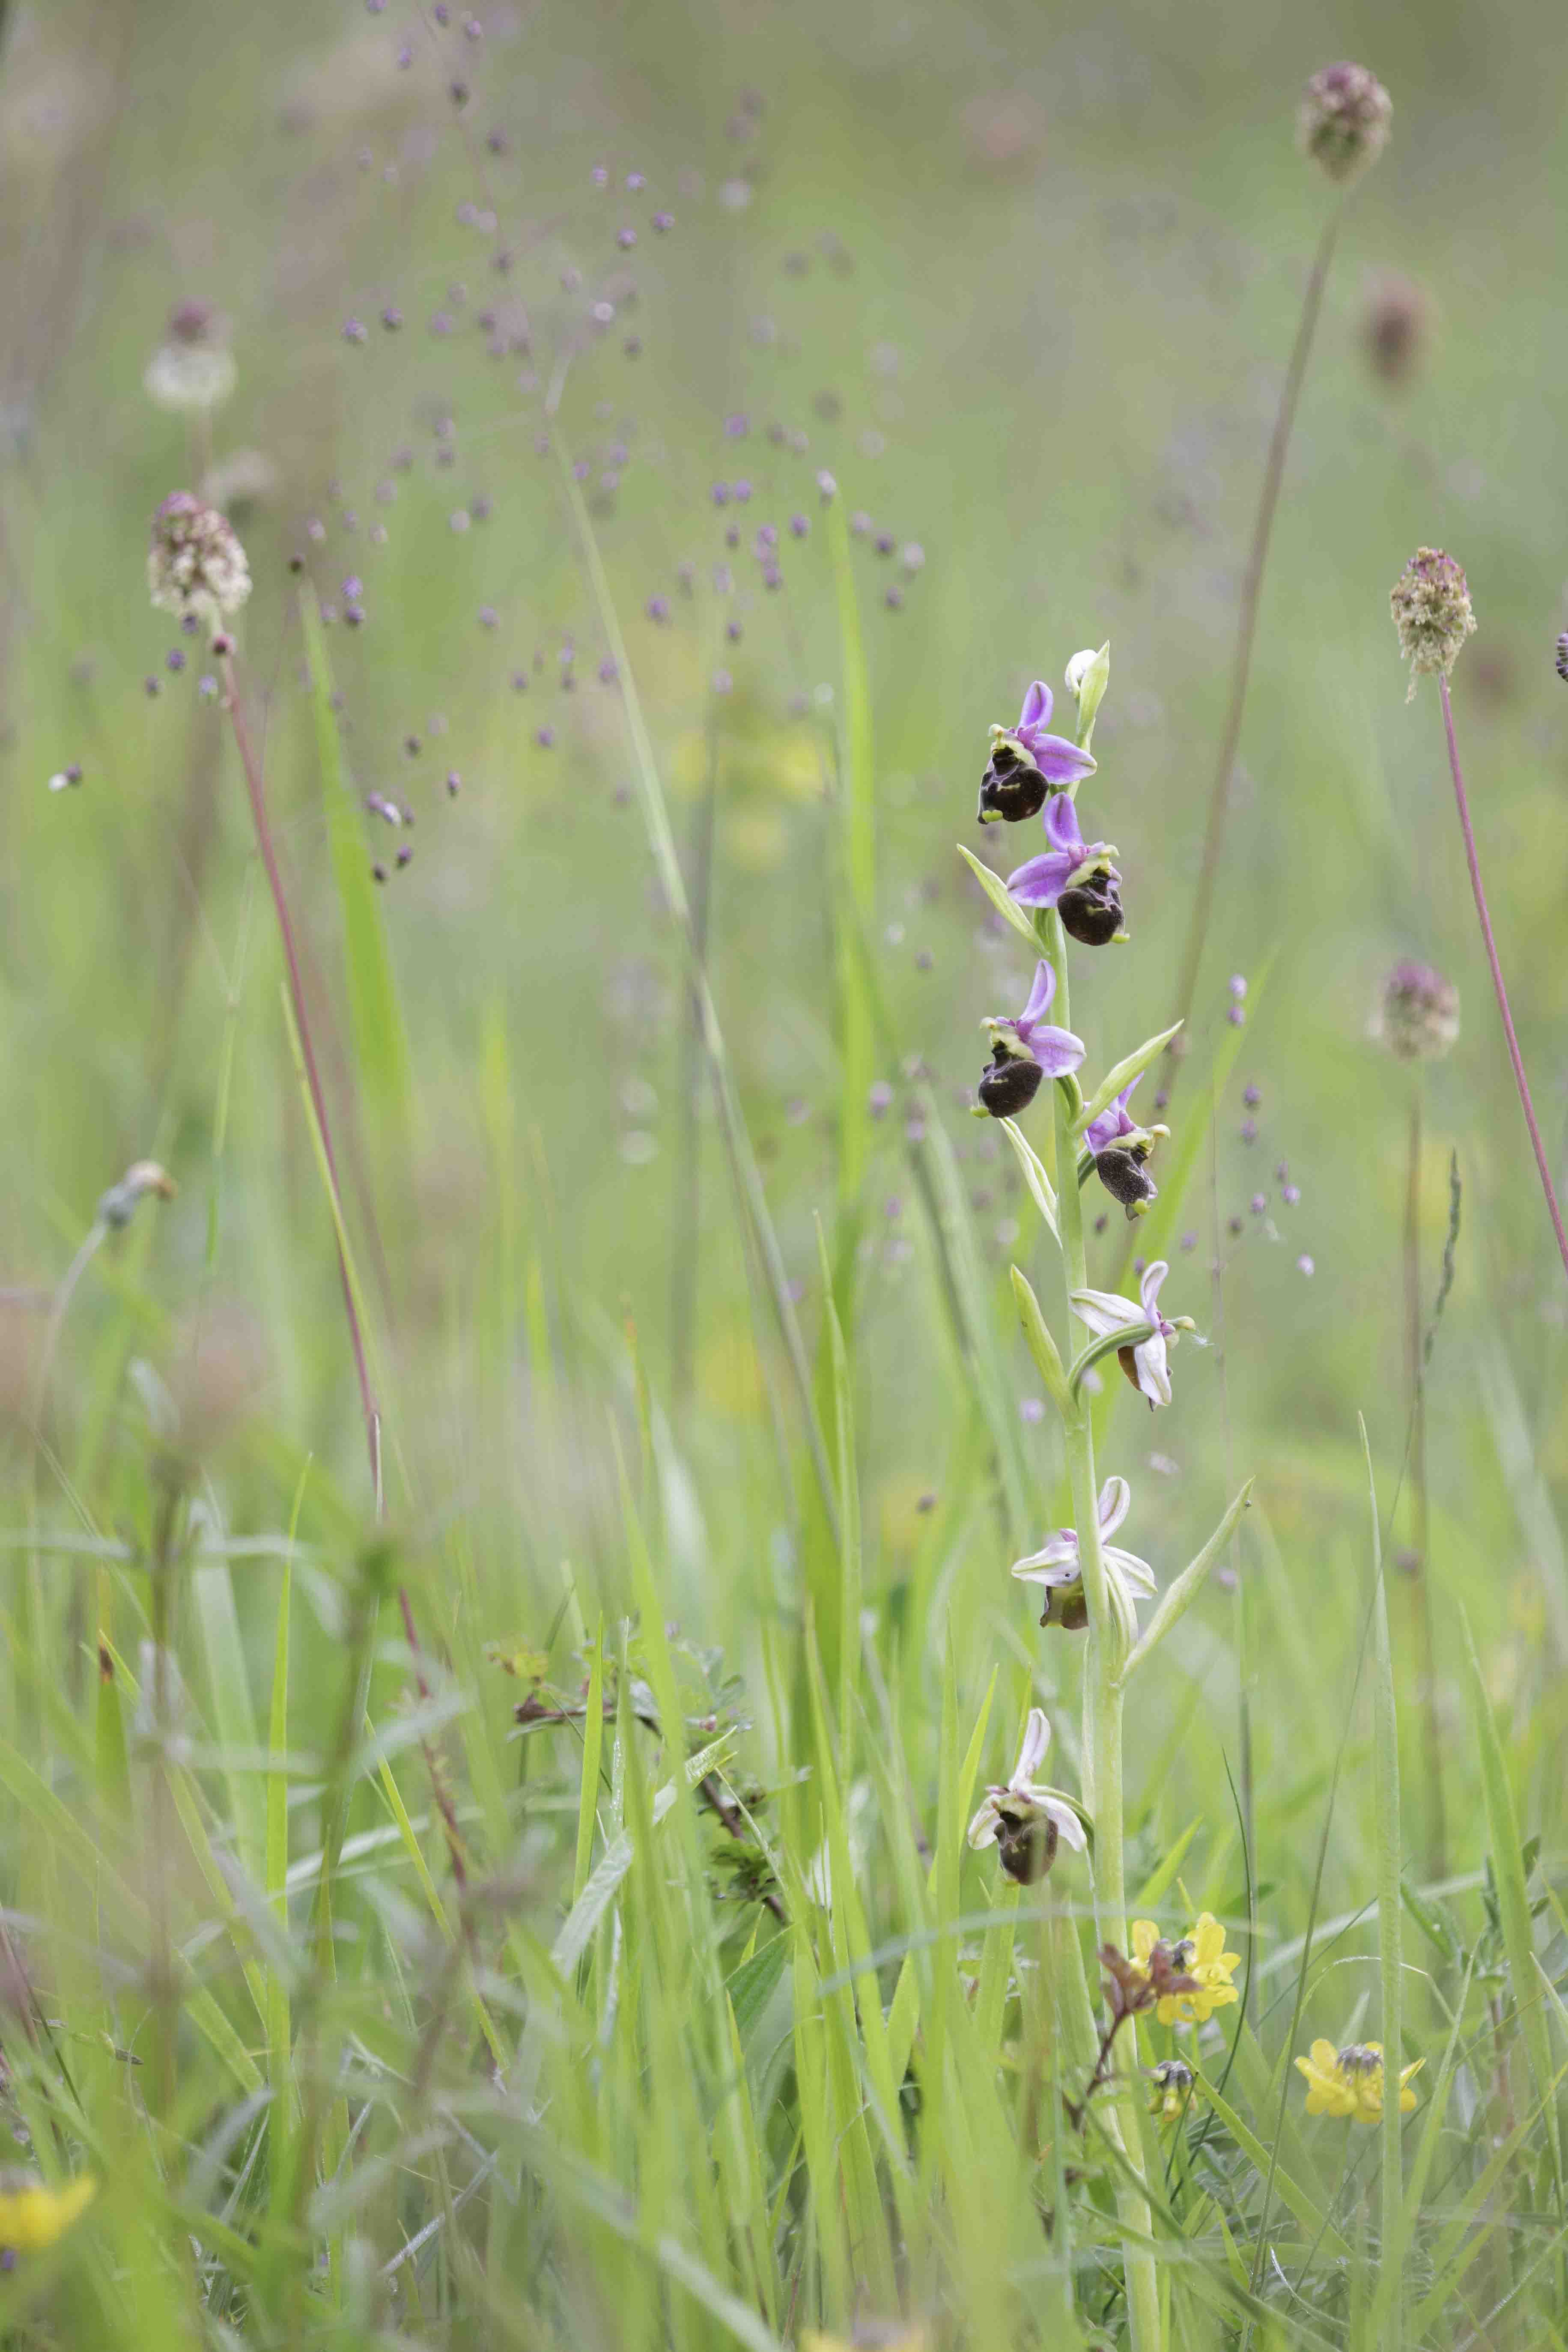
(1025, 280)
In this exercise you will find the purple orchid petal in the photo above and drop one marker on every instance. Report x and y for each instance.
(1112, 1121)
(1060, 762)
(1058, 1051)
(1040, 881)
(1040, 995)
(1037, 710)
(1063, 830)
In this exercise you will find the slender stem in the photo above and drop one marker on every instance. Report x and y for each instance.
(1101, 1687)
(254, 787)
(1420, 1552)
(1520, 1081)
(1246, 630)
(686, 1257)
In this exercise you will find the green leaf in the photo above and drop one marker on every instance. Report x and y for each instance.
(1091, 694)
(1042, 1191)
(995, 889)
(1042, 1347)
(1179, 1597)
(1288, 2190)
(753, 1985)
(1131, 1065)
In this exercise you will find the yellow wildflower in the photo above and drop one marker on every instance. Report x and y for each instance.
(33, 2216)
(1201, 1955)
(1349, 2082)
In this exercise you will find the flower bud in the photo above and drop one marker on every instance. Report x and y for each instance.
(1343, 122)
(1088, 676)
(1010, 1083)
(1420, 1016)
(194, 562)
(1430, 602)
(1012, 787)
(1027, 1847)
(1090, 906)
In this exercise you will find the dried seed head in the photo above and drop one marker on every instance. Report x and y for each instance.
(1419, 1018)
(1342, 121)
(196, 565)
(1430, 603)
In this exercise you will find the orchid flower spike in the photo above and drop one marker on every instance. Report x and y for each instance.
(1027, 762)
(1059, 1567)
(1119, 1148)
(1023, 1820)
(1076, 877)
(1026, 1050)
(1145, 1361)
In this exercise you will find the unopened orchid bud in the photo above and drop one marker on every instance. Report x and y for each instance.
(1430, 602)
(1343, 121)
(1420, 1016)
(195, 564)
(1088, 676)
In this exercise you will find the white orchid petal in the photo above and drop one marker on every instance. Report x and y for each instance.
(1134, 1573)
(1115, 1502)
(1067, 1824)
(985, 1828)
(1031, 1753)
(1153, 1369)
(1104, 1312)
(1044, 1567)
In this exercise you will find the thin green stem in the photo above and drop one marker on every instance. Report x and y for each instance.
(1102, 1689)
(1246, 633)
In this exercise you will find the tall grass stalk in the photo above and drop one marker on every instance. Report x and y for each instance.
(1201, 911)
(1489, 939)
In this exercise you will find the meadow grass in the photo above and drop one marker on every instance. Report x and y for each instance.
(516, 1891)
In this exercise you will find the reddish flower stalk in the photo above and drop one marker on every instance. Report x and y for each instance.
(1520, 1081)
(254, 787)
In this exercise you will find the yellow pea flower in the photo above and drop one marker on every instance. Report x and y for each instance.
(1201, 1955)
(1349, 2083)
(33, 2216)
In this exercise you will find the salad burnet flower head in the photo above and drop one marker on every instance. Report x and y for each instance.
(195, 563)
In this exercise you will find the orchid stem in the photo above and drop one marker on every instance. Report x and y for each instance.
(1500, 992)
(1246, 630)
(1101, 1689)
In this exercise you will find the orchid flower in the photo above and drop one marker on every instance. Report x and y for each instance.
(1058, 1566)
(1075, 875)
(1144, 1362)
(1024, 1820)
(1119, 1148)
(1026, 763)
(1026, 1050)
